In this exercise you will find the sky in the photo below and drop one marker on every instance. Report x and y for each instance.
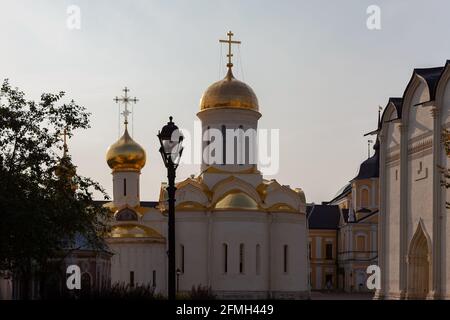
(319, 73)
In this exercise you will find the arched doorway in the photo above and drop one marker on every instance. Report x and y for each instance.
(86, 284)
(419, 257)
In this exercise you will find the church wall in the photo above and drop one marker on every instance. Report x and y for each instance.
(420, 121)
(392, 208)
(445, 196)
(419, 192)
(231, 119)
(132, 188)
(289, 229)
(141, 258)
(235, 228)
(192, 233)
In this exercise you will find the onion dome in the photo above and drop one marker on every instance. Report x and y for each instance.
(65, 169)
(237, 200)
(229, 93)
(126, 154)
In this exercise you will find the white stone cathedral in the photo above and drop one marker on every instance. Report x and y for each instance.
(236, 232)
(414, 228)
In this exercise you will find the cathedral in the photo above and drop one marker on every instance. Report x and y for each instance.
(414, 227)
(242, 236)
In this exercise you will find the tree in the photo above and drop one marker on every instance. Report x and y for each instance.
(44, 203)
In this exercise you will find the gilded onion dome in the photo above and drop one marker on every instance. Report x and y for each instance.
(126, 154)
(229, 93)
(65, 169)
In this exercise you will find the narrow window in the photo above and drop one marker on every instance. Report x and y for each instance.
(329, 251)
(225, 258)
(241, 258)
(360, 243)
(241, 144)
(207, 143)
(154, 278)
(124, 187)
(285, 258)
(182, 258)
(224, 144)
(132, 279)
(258, 259)
(364, 198)
(309, 251)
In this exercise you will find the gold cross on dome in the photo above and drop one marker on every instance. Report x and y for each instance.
(125, 99)
(229, 41)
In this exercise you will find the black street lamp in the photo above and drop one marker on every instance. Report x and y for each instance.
(171, 149)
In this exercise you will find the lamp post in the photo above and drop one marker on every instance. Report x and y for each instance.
(170, 139)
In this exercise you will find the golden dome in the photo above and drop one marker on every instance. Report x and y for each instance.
(237, 200)
(126, 154)
(229, 93)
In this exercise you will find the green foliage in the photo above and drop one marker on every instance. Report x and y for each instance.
(201, 293)
(40, 211)
(122, 291)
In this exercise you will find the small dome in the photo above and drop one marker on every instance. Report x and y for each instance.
(126, 154)
(237, 200)
(229, 93)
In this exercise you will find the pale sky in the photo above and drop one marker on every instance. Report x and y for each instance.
(318, 71)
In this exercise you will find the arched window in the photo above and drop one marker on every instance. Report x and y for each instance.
(258, 259)
(224, 144)
(241, 146)
(360, 243)
(182, 258)
(207, 143)
(126, 214)
(285, 258)
(364, 200)
(131, 279)
(241, 258)
(86, 283)
(154, 278)
(225, 257)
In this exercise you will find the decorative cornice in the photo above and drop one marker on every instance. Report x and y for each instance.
(420, 146)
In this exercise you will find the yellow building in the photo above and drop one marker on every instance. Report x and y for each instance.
(323, 223)
(343, 232)
(357, 233)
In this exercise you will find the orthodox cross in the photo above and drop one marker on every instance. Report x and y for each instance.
(64, 135)
(229, 41)
(125, 99)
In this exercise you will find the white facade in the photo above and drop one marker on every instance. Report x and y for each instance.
(414, 225)
(237, 233)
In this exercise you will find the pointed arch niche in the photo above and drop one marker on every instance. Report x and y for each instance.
(419, 264)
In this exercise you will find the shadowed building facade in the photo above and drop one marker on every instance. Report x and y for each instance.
(414, 225)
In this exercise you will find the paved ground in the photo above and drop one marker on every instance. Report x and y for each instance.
(315, 295)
